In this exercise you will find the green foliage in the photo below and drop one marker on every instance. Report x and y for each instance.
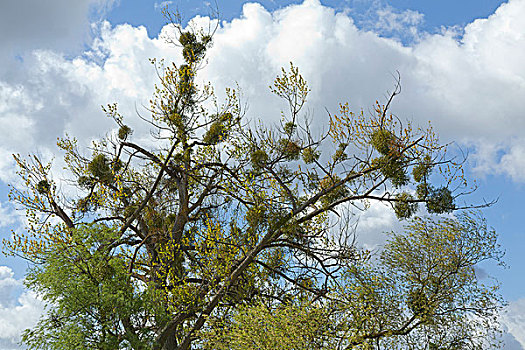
(258, 158)
(95, 304)
(420, 305)
(391, 162)
(404, 207)
(312, 181)
(384, 142)
(262, 327)
(393, 169)
(423, 281)
(85, 182)
(186, 87)
(124, 131)
(335, 189)
(100, 169)
(291, 86)
(289, 149)
(193, 48)
(310, 155)
(215, 134)
(340, 154)
(85, 205)
(422, 171)
(290, 128)
(441, 201)
(43, 187)
(423, 190)
(256, 215)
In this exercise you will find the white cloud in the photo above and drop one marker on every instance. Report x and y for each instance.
(390, 22)
(374, 223)
(514, 321)
(506, 157)
(8, 284)
(393, 20)
(470, 88)
(510, 342)
(16, 313)
(59, 24)
(8, 217)
(162, 5)
(54, 95)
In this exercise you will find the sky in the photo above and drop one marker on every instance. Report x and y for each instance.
(461, 67)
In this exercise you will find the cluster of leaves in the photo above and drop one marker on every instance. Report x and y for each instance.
(257, 326)
(392, 162)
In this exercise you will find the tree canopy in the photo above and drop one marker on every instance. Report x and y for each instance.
(219, 233)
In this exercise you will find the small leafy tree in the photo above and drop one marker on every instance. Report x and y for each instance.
(93, 301)
(422, 293)
(184, 239)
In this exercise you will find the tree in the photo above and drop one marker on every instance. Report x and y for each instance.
(94, 302)
(422, 293)
(172, 243)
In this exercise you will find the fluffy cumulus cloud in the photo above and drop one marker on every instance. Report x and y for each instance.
(514, 322)
(54, 96)
(470, 86)
(372, 225)
(18, 310)
(469, 83)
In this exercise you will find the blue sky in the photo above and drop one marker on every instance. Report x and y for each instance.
(461, 64)
(436, 13)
